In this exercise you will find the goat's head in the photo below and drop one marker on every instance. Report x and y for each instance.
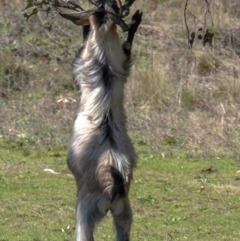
(107, 11)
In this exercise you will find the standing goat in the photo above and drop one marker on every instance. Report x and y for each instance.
(101, 155)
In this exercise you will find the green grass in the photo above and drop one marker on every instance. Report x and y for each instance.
(171, 197)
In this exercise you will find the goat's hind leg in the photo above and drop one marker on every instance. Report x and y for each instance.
(84, 222)
(123, 221)
(87, 215)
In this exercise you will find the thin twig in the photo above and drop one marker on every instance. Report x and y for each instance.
(208, 11)
(185, 20)
(168, 235)
(93, 3)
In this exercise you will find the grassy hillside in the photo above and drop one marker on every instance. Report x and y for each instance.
(174, 97)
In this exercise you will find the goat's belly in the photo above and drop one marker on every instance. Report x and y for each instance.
(89, 151)
(92, 144)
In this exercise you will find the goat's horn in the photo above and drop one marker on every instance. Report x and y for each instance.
(79, 18)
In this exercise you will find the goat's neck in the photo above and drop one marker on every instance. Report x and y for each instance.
(102, 76)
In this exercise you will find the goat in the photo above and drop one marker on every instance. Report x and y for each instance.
(101, 155)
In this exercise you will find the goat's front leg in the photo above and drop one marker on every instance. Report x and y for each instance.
(85, 34)
(127, 45)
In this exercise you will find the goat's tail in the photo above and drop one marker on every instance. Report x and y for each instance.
(118, 188)
(112, 182)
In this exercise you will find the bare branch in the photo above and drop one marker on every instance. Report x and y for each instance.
(185, 21)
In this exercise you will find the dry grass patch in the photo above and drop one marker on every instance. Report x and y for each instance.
(174, 97)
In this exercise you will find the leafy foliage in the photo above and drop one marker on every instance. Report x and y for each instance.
(35, 6)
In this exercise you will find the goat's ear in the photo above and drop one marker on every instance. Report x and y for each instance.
(80, 18)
